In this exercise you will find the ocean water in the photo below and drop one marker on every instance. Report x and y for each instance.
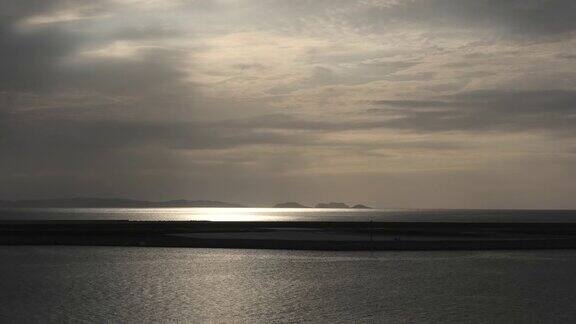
(278, 214)
(151, 285)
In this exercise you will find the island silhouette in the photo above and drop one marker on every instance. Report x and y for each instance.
(340, 205)
(133, 203)
(290, 204)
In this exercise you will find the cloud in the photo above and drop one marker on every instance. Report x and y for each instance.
(210, 96)
(550, 18)
(29, 59)
(550, 111)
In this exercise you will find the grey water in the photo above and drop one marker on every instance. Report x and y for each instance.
(58, 284)
(279, 214)
(150, 285)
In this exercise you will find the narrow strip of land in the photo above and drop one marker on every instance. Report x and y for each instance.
(292, 235)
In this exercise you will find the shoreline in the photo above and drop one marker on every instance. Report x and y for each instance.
(335, 236)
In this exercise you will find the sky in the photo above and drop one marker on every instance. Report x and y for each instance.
(390, 103)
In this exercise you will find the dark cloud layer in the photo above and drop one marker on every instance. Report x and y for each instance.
(540, 17)
(552, 111)
(28, 60)
(509, 18)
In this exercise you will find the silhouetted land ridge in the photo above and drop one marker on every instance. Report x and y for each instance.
(113, 203)
(290, 204)
(340, 205)
(331, 235)
(133, 203)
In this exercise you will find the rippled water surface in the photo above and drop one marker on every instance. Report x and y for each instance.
(135, 285)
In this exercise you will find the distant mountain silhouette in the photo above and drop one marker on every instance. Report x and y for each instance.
(360, 206)
(332, 205)
(132, 203)
(112, 202)
(290, 205)
(196, 203)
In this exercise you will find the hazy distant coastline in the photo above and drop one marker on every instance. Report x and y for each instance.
(113, 203)
(133, 203)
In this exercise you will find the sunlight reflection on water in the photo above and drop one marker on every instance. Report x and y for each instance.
(286, 214)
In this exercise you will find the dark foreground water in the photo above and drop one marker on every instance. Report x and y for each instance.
(135, 285)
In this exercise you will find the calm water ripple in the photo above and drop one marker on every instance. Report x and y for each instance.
(136, 285)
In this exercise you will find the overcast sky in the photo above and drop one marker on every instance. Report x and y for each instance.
(391, 103)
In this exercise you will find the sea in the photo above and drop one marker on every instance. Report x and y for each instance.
(65, 284)
(289, 214)
(74, 284)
